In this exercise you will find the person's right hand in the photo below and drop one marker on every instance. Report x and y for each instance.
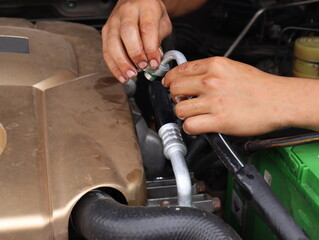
(132, 36)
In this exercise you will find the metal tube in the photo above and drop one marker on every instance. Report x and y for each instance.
(152, 74)
(169, 132)
(173, 55)
(175, 150)
(256, 16)
(294, 28)
(182, 179)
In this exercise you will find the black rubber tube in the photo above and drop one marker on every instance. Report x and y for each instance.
(266, 204)
(257, 192)
(195, 149)
(161, 104)
(97, 216)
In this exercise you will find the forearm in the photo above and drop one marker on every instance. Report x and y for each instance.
(302, 103)
(177, 8)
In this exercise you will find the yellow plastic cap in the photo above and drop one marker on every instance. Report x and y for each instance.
(307, 49)
(305, 69)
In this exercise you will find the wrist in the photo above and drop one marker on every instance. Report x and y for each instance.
(302, 104)
(178, 8)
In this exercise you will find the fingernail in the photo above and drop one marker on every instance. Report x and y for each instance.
(122, 79)
(177, 115)
(161, 51)
(178, 99)
(163, 81)
(186, 131)
(130, 73)
(142, 64)
(153, 63)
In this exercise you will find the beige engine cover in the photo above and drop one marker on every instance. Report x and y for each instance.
(65, 129)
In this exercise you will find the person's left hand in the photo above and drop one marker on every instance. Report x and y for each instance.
(231, 97)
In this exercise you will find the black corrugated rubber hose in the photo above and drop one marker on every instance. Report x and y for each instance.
(195, 149)
(98, 216)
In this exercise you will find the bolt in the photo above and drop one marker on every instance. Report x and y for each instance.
(216, 203)
(166, 203)
(71, 3)
(201, 187)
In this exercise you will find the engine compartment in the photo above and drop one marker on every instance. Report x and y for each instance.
(69, 127)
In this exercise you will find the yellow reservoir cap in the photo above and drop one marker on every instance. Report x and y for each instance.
(305, 69)
(307, 49)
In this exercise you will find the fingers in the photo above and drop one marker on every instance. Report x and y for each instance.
(149, 29)
(193, 68)
(184, 86)
(132, 36)
(118, 53)
(192, 107)
(114, 53)
(165, 27)
(129, 32)
(201, 124)
(113, 68)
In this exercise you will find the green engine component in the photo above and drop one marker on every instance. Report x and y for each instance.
(293, 175)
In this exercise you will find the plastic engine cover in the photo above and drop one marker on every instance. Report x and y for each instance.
(67, 128)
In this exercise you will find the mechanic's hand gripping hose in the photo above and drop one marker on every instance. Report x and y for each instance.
(252, 185)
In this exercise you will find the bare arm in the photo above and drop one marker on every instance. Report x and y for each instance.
(134, 31)
(302, 103)
(179, 8)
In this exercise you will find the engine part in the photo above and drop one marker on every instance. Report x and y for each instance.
(251, 183)
(175, 150)
(3, 138)
(162, 192)
(69, 129)
(57, 9)
(293, 175)
(97, 216)
(252, 146)
(259, 13)
(306, 62)
(169, 131)
(152, 74)
(161, 103)
(197, 146)
(150, 145)
(130, 88)
(257, 192)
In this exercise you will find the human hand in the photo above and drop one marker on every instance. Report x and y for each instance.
(231, 97)
(132, 36)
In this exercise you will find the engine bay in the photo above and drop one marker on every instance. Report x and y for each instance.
(72, 136)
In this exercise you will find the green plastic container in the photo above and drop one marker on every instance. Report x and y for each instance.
(293, 175)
